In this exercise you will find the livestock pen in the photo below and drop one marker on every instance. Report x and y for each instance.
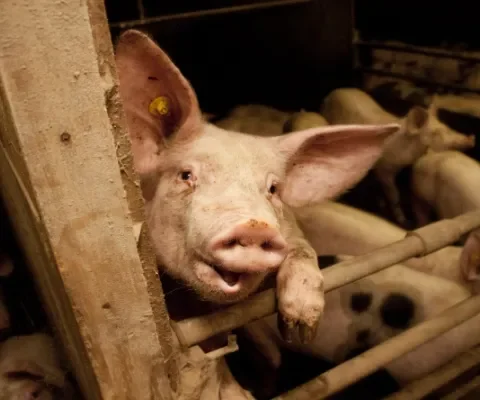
(74, 200)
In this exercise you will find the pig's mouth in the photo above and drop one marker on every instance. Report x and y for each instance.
(229, 281)
(231, 278)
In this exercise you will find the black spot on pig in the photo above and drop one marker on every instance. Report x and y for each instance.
(360, 302)
(397, 311)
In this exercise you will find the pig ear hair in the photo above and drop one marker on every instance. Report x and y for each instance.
(323, 162)
(158, 101)
(470, 258)
(416, 119)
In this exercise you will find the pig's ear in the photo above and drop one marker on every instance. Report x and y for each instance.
(323, 162)
(470, 258)
(159, 102)
(416, 120)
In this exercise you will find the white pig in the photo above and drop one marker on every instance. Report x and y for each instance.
(217, 202)
(335, 228)
(30, 369)
(421, 132)
(256, 119)
(448, 182)
(302, 120)
(367, 312)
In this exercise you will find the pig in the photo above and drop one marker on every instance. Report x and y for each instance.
(221, 223)
(335, 228)
(218, 202)
(6, 268)
(30, 369)
(365, 313)
(302, 120)
(255, 119)
(447, 182)
(421, 132)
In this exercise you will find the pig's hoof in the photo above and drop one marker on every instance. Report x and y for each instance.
(300, 306)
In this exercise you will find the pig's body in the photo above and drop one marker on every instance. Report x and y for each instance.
(367, 312)
(303, 120)
(30, 370)
(255, 119)
(421, 132)
(335, 228)
(449, 182)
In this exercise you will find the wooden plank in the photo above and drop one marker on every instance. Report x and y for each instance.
(67, 199)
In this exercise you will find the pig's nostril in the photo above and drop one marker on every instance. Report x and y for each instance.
(267, 246)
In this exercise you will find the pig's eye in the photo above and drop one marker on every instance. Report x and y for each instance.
(186, 175)
(272, 189)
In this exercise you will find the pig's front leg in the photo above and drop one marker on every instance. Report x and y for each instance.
(299, 288)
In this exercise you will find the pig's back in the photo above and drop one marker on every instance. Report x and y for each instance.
(334, 228)
(449, 181)
(352, 106)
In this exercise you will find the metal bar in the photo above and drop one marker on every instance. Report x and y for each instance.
(438, 378)
(205, 13)
(422, 241)
(357, 368)
(405, 48)
(424, 81)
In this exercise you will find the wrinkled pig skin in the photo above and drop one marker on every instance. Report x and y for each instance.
(217, 202)
(303, 120)
(447, 182)
(421, 132)
(30, 370)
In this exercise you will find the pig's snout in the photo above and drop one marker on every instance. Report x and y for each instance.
(252, 246)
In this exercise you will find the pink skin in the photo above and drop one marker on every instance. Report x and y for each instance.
(217, 201)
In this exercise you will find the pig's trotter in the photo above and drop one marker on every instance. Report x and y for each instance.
(300, 300)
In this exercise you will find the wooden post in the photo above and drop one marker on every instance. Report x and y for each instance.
(71, 206)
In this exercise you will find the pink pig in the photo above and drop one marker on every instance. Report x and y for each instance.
(217, 201)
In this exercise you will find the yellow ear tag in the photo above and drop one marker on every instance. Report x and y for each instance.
(159, 106)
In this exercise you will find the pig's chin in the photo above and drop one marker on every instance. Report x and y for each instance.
(226, 286)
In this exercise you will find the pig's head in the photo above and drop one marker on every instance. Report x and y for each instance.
(213, 197)
(423, 124)
(365, 313)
